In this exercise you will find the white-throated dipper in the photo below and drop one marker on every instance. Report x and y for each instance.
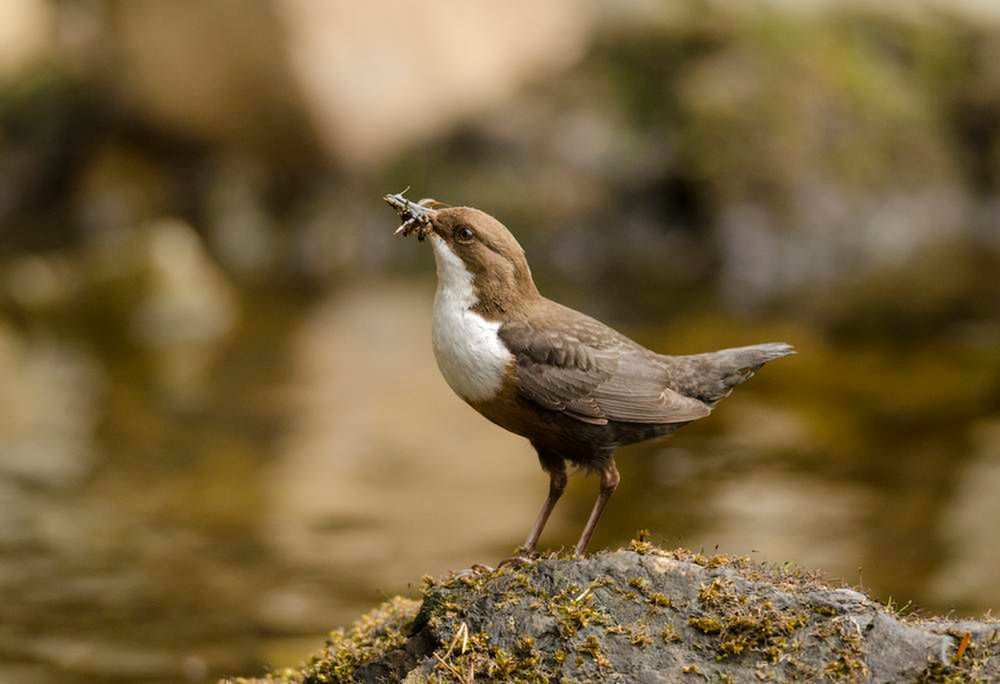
(574, 387)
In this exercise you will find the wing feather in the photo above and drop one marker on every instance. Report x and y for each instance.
(592, 373)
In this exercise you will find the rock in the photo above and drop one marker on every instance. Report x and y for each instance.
(648, 615)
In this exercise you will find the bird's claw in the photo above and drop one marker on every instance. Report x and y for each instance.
(476, 569)
(515, 561)
(483, 569)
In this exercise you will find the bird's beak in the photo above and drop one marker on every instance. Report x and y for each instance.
(416, 216)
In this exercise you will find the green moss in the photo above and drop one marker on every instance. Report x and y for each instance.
(375, 634)
(715, 591)
(706, 624)
(847, 664)
(733, 621)
(660, 600)
(504, 664)
(669, 634)
(640, 637)
(575, 610)
(465, 659)
(845, 668)
(744, 623)
(641, 547)
(592, 647)
(786, 576)
(638, 583)
(969, 667)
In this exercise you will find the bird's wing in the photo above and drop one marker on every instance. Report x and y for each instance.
(588, 371)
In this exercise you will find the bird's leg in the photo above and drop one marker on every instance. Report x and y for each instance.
(557, 485)
(556, 468)
(609, 483)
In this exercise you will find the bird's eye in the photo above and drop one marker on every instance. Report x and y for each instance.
(464, 234)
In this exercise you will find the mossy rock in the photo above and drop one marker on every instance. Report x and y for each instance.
(648, 615)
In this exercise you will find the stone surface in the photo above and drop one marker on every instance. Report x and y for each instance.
(649, 615)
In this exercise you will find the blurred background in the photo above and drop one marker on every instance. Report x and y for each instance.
(222, 432)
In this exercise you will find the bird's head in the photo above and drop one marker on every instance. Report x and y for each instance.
(470, 246)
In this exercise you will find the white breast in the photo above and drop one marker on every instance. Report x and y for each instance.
(469, 353)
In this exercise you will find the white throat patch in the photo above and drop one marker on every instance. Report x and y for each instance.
(469, 353)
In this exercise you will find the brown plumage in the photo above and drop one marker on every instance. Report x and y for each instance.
(574, 387)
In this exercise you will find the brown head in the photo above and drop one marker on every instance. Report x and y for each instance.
(470, 245)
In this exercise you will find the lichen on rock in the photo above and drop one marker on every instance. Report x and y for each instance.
(645, 614)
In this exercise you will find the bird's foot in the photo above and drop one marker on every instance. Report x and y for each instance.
(476, 569)
(520, 558)
(516, 561)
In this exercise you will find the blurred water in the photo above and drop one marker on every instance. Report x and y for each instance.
(204, 467)
(323, 465)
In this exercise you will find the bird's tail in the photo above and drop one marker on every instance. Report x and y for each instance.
(711, 377)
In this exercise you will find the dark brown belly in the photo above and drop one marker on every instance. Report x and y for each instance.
(583, 443)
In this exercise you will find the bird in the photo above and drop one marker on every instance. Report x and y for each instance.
(574, 387)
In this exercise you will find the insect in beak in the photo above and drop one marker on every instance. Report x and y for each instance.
(416, 216)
